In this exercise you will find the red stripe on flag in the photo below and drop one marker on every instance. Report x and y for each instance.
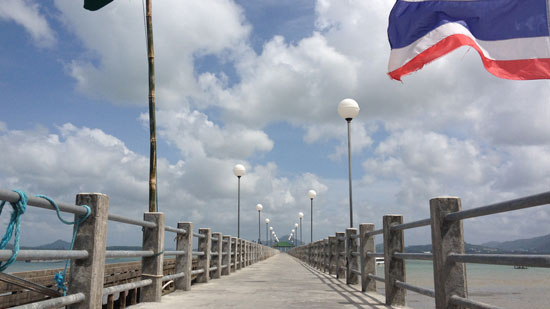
(523, 69)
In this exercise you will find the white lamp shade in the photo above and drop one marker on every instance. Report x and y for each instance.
(292, 231)
(312, 194)
(348, 108)
(295, 224)
(300, 215)
(267, 220)
(259, 207)
(239, 170)
(271, 228)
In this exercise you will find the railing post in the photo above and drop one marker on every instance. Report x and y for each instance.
(234, 254)
(239, 254)
(340, 260)
(217, 245)
(394, 269)
(151, 266)
(86, 275)
(331, 256)
(325, 255)
(368, 264)
(184, 263)
(204, 260)
(351, 248)
(447, 237)
(226, 259)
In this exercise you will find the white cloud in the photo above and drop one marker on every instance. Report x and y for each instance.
(27, 14)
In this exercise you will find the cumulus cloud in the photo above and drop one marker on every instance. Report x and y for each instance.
(27, 14)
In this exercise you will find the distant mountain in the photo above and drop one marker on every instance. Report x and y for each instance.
(539, 244)
(536, 245)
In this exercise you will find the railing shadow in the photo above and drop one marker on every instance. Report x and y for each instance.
(351, 294)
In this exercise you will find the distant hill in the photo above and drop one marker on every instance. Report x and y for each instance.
(539, 244)
(535, 245)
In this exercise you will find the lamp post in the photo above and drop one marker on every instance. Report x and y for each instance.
(266, 231)
(348, 109)
(311, 194)
(271, 229)
(296, 229)
(259, 208)
(239, 171)
(301, 215)
(294, 240)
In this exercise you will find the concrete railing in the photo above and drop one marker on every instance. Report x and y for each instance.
(352, 255)
(218, 254)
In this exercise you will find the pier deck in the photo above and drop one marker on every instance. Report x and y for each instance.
(278, 282)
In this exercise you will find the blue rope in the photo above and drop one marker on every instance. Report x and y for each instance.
(60, 276)
(19, 208)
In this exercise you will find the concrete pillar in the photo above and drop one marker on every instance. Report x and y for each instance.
(234, 254)
(86, 275)
(204, 260)
(217, 261)
(394, 269)
(331, 256)
(239, 253)
(368, 264)
(151, 266)
(341, 260)
(325, 255)
(184, 263)
(226, 259)
(352, 261)
(447, 237)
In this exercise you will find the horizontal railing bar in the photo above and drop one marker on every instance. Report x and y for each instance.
(232, 264)
(224, 266)
(355, 253)
(343, 253)
(375, 254)
(213, 268)
(410, 225)
(199, 235)
(355, 271)
(199, 253)
(375, 232)
(520, 203)
(468, 303)
(343, 267)
(197, 271)
(175, 230)
(374, 277)
(173, 276)
(501, 259)
(354, 236)
(44, 254)
(128, 253)
(414, 256)
(123, 219)
(10, 196)
(126, 286)
(417, 289)
(224, 252)
(339, 238)
(214, 253)
(214, 238)
(55, 302)
(181, 252)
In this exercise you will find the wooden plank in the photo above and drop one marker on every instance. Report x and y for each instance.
(28, 285)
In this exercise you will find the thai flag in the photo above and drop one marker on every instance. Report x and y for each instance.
(511, 36)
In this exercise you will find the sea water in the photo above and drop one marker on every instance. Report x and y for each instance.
(497, 285)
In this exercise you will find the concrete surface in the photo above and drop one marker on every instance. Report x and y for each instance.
(278, 282)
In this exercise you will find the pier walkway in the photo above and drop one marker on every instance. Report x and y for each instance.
(278, 282)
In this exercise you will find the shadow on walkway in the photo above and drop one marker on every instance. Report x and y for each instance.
(351, 294)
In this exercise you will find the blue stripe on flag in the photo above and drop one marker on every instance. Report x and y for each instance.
(488, 20)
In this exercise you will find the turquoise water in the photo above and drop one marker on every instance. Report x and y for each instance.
(19, 266)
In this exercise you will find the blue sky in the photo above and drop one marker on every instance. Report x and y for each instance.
(258, 83)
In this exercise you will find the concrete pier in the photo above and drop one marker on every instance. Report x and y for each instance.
(278, 282)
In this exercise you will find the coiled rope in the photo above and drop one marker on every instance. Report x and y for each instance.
(60, 276)
(19, 209)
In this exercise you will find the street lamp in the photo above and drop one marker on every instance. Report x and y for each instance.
(271, 229)
(301, 215)
(294, 240)
(348, 109)
(259, 208)
(239, 171)
(266, 231)
(296, 229)
(311, 194)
